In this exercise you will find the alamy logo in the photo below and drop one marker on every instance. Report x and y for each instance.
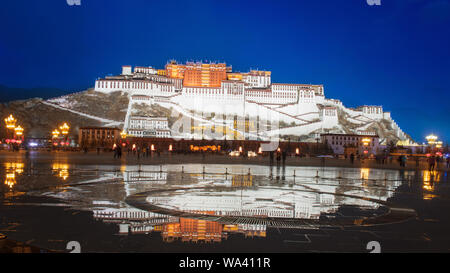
(73, 2)
(374, 246)
(374, 2)
(74, 246)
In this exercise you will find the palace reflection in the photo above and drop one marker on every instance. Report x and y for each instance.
(245, 193)
(132, 221)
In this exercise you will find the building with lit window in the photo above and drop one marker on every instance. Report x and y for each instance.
(140, 126)
(366, 144)
(102, 137)
(214, 88)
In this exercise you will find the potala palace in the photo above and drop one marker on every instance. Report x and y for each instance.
(212, 92)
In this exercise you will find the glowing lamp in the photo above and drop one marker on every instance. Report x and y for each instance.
(18, 130)
(55, 133)
(10, 180)
(64, 129)
(10, 122)
(431, 139)
(365, 141)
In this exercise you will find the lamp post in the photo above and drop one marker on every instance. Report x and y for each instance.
(55, 136)
(10, 125)
(123, 135)
(431, 139)
(19, 133)
(366, 142)
(65, 132)
(55, 133)
(10, 122)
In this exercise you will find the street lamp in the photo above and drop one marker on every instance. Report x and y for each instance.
(10, 122)
(365, 141)
(123, 134)
(64, 129)
(18, 131)
(55, 133)
(431, 139)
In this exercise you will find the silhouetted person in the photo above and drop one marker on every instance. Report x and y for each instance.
(403, 160)
(352, 158)
(115, 152)
(431, 163)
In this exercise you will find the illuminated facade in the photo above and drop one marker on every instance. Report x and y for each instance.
(214, 88)
(98, 136)
(363, 144)
(148, 127)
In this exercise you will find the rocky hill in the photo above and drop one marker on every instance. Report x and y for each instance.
(89, 108)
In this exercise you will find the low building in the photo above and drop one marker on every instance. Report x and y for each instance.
(98, 137)
(365, 144)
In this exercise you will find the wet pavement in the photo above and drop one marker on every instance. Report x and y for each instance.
(49, 202)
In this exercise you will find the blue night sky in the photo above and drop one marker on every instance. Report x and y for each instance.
(396, 55)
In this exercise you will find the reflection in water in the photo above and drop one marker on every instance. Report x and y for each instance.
(193, 230)
(234, 191)
(242, 195)
(429, 182)
(17, 167)
(365, 173)
(62, 170)
(10, 180)
(12, 168)
(242, 180)
(176, 228)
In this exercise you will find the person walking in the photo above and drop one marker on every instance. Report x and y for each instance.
(284, 155)
(431, 163)
(352, 158)
(403, 159)
(448, 162)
